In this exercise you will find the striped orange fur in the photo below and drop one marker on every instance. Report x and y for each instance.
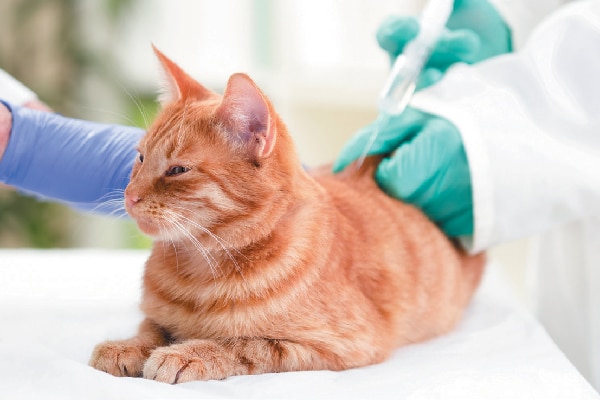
(260, 266)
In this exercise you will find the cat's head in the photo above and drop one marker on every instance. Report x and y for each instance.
(210, 165)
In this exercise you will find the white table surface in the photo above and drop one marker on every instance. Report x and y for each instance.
(56, 305)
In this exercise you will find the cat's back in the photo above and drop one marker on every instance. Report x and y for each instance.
(409, 261)
(355, 195)
(376, 220)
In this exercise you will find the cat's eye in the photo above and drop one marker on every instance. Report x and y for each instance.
(177, 170)
(141, 158)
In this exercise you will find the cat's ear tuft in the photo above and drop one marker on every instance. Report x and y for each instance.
(247, 118)
(177, 84)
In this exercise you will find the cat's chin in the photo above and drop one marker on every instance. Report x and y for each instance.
(148, 226)
(154, 230)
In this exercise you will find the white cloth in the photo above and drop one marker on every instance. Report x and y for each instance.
(531, 127)
(13, 91)
(56, 305)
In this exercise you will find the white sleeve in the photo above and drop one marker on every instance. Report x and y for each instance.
(13, 91)
(530, 123)
(522, 16)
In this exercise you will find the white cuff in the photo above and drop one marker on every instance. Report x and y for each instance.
(13, 91)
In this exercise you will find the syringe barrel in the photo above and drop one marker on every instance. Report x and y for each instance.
(402, 81)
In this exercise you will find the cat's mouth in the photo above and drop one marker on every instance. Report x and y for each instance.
(149, 225)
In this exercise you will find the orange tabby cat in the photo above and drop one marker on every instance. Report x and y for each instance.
(260, 266)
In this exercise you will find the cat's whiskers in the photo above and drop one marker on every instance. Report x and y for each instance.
(169, 236)
(109, 113)
(137, 103)
(173, 219)
(114, 202)
(224, 245)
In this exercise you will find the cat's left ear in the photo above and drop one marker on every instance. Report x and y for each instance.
(246, 116)
(178, 84)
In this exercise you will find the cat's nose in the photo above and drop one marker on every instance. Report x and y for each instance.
(131, 199)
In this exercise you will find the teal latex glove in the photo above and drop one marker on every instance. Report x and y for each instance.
(425, 165)
(475, 32)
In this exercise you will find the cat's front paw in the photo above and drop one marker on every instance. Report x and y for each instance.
(120, 358)
(189, 361)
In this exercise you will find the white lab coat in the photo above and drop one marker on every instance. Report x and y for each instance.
(531, 127)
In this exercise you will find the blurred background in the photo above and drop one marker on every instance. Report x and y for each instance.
(317, 60)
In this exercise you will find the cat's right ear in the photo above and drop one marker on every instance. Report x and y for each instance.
(178, 84)
(246, 116)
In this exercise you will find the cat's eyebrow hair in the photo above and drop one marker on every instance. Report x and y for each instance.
(170, 149)
(166, 131)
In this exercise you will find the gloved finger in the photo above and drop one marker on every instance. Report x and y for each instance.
(460, 3)
(460, 223)
(410, 169)
(391, 132)
(459, 45)
(394, 32)
(431, 172)
(458, 41)
(428, 77)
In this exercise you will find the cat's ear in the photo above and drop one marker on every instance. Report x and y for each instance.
(246, 116)
(178, 84)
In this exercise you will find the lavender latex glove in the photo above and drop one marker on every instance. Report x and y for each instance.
(84, 164)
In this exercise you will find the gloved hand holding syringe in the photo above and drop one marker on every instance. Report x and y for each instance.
(402, 81)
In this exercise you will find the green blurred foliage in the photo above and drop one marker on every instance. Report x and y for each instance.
(26, 222)
(42, 43)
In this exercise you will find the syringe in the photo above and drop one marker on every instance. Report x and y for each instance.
(402, 81)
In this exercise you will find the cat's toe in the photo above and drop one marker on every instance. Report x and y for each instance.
(119, 358)
(188, 361)
(171, 366)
